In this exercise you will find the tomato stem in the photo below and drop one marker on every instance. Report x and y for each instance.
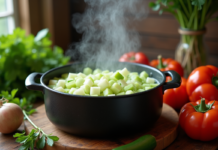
(203, 107)
(160, 62)
(215, 80)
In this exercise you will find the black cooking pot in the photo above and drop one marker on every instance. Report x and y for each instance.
(103, 116)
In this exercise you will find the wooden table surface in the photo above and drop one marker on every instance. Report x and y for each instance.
(7, 142)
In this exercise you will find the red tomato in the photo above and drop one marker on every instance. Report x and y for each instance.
(135, 57)
(164, 64)
(11, 117)
(201, 122)
(176, 97)
(203, 82)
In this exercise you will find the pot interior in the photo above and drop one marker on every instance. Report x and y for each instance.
(112, 66)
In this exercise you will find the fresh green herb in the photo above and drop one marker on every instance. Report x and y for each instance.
(21, 55)
(191, 14)
(36, 136)
(23, 103)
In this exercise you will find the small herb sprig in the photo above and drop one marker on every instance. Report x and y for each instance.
(36, 136)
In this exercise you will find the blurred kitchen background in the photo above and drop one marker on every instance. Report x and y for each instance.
(158, 34)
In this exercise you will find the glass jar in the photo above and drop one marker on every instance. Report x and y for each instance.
(191, 51)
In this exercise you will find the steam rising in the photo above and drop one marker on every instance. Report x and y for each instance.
(104, 27)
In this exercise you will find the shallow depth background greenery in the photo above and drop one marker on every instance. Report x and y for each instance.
(22, 54)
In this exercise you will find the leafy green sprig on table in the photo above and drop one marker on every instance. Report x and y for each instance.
(36, 136)
(23, 103)
(191, 14)
(22, 54)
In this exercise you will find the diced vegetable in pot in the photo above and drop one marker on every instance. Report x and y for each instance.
(103, 82)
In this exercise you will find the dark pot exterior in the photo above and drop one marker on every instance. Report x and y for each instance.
(103, 116)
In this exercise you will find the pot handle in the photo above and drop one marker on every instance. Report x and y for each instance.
(31, 84)
(176, 80)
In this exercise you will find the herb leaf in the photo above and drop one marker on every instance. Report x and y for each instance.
(18, 134)
(31, 111)
(23, 147)
(41, 142)
(164, 2)
(50, 142)
(21, 139)
(154, 6)
(13, 92)
(55, 138)
(41, 34)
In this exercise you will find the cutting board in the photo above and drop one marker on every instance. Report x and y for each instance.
(164, 130)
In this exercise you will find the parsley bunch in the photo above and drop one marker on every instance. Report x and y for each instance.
(22, 54)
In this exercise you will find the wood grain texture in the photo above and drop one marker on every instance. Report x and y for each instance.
(164, 130)
(8, 142)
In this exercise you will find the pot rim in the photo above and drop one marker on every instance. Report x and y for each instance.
(100, 97)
